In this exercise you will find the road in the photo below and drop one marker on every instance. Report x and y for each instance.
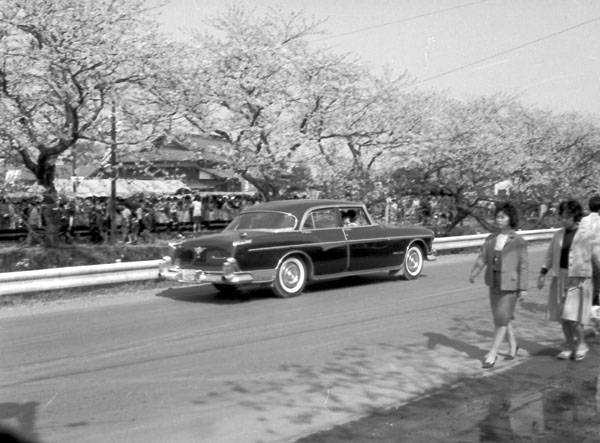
(182, 364)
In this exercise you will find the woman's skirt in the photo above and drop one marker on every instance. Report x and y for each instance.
(570, 298)
(502, 302)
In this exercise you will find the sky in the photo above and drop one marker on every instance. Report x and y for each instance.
(544, 52)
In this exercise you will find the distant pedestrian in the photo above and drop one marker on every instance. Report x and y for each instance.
(4, 214)
(34, 222)
(125, 223)
(197, 214)
(66, 227)
(504, 258)
(569, 258)
(96, 221)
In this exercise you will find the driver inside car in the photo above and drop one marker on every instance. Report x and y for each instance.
(349, 218)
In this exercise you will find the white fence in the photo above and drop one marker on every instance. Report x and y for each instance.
(21, 282)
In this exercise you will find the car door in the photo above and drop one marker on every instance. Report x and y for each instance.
(369, 247)
(328, 251)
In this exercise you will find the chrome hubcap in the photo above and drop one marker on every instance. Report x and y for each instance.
(413, 261)
(290, 275)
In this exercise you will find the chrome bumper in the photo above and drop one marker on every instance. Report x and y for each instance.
(169, 272)
(199, 276)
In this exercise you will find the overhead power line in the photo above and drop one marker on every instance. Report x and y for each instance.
(404, 20)
(508, 51)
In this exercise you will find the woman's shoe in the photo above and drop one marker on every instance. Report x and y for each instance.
(487, 364)
(512, 356)
(565, 354)
(580, 354)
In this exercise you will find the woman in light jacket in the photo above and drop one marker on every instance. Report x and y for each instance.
(504, 258)
(569, 258)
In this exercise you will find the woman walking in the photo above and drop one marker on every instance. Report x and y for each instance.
(504, 258)
(569, 257)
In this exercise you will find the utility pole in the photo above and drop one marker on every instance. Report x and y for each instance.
(112, 206)
(73, 162)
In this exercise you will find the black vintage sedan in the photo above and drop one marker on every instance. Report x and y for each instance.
(285, 244)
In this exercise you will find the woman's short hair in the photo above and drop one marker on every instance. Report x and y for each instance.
(594, 203)
(511, 211)
(571, 208)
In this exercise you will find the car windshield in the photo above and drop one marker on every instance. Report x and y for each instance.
(262, 220)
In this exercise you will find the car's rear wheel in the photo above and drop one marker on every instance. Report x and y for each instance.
(290, 278)
(413, 262)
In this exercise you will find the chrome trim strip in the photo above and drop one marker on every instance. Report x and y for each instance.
(352, 273)
(341, 242)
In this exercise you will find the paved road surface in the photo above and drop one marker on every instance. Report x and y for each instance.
(183, 364)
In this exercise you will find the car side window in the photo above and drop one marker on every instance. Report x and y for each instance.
(309, 223)
(323, 219)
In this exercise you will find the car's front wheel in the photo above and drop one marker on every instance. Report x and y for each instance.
(290, 278)
(413, 262)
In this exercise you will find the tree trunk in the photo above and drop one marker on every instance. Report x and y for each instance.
(45, 173)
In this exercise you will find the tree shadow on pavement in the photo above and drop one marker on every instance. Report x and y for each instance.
(541, 399)
(355, 381)
(376, 379)
(434, 339)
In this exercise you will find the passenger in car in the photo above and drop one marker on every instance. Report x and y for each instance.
(349, 218)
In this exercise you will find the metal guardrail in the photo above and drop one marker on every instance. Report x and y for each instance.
(471, 241)
(21, 282)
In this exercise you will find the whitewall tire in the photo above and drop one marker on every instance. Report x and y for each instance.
(290, 277)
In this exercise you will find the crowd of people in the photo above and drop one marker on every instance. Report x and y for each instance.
(138, 218)
(573, 262)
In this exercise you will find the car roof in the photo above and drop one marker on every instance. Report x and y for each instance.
(298, 207)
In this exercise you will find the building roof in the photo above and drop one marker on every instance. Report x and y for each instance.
(193, 149)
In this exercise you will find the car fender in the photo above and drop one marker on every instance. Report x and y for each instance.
(421, 244)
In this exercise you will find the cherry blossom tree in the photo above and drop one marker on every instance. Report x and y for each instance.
(470, 147)
(66, 66)
(280, 103)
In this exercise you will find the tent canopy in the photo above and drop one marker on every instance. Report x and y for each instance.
(125, 187)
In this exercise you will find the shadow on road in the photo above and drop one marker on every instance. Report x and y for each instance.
(542, 399)
(355, 281)
(208, 294)
(445, 395)
(434, 339)
(23, 418)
